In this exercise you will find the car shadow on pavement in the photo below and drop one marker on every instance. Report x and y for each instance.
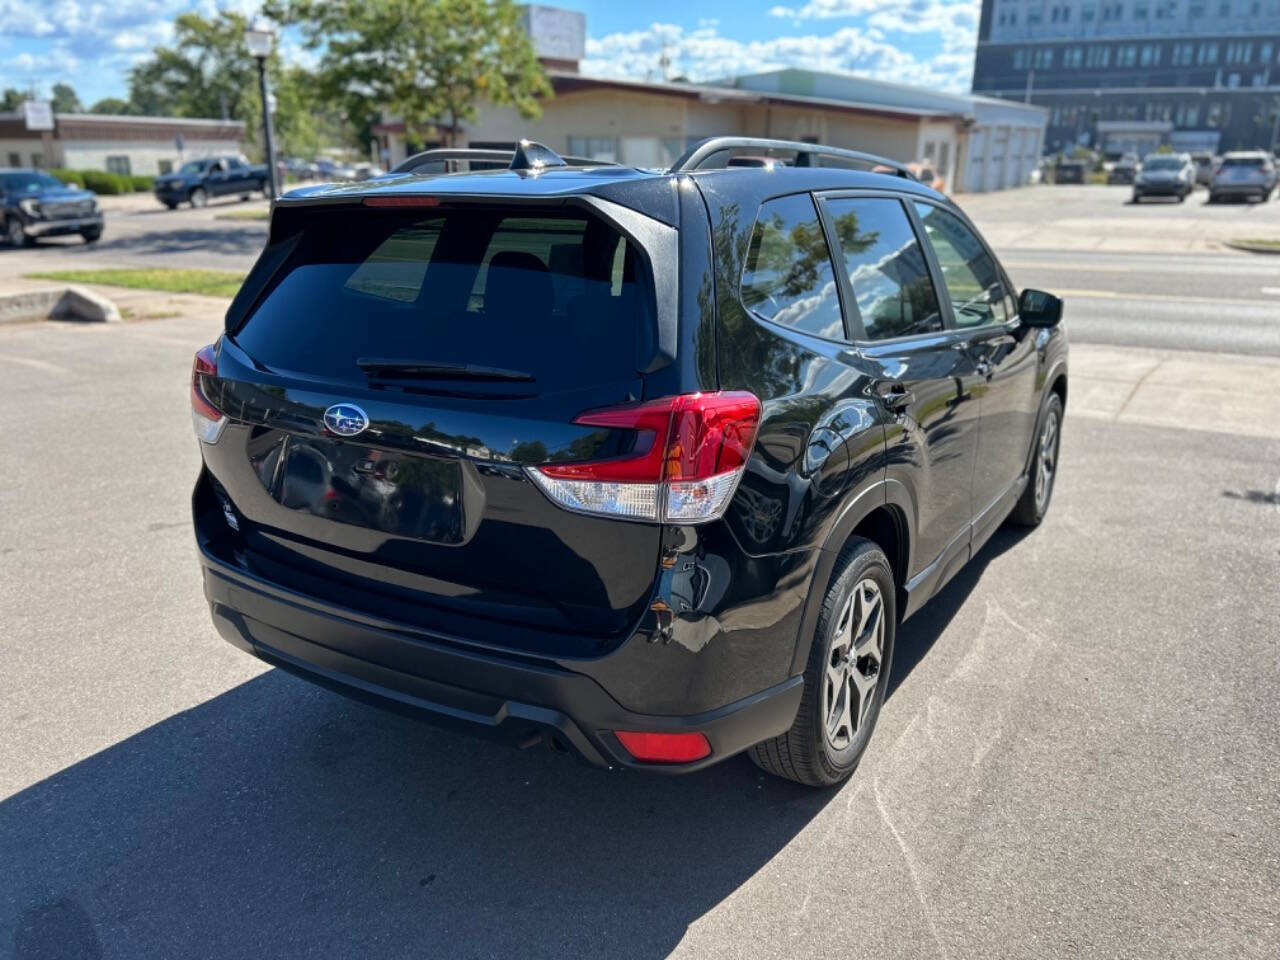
(226, 240)
(279, 820)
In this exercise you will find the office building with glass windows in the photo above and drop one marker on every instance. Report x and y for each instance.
(1126, 75)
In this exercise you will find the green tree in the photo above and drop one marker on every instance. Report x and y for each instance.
(65, 99)
(428, 61)
(208, 73)
(112, 105)
(12, 100)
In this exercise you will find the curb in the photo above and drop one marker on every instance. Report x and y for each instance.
(1248, 247)
(58, 303)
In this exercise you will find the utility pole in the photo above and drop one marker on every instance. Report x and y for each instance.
(1031, 82)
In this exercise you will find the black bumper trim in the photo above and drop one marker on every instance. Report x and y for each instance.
(509, 700)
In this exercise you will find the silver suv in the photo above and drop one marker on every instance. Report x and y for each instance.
(1250, 173)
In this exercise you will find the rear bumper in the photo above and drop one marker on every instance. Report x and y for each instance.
(1240, 189)
(1161, 189)
(517, 701)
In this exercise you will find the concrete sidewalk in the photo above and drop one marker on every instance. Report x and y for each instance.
(1223, 393)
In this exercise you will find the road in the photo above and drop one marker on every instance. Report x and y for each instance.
(1078, 241)
(1077, 759)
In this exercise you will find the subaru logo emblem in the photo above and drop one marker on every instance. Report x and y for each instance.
(345, 419)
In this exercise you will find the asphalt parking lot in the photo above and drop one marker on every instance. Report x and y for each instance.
(1077, 759)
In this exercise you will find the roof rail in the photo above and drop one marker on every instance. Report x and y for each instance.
(806, 153)
(451, 155)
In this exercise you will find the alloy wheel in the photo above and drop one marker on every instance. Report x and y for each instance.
(1048, 460)
(854, 664)
(16, 236)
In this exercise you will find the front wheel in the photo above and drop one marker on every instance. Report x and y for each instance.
(846, 677)
(16, 235)
(198, 198)
(1034, 502)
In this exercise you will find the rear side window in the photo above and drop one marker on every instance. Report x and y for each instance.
(886, 267)
(564, 299)
(788, 277)
(973, 282)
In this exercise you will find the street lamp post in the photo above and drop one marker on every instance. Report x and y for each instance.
(258, 38)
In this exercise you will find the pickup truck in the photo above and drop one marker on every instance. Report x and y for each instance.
(199, 180)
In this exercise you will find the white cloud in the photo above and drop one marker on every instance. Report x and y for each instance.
(829, 9)
(704, 54)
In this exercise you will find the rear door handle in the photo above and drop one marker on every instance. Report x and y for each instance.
(895, 396)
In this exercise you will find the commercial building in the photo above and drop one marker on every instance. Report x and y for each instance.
(122, 144)
(1137, 74)
(976, 143)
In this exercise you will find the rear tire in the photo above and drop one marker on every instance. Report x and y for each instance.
(846, 677)
(91, 236)
(1034, 502)
(245, 196)
(198, 198)
(171, 205)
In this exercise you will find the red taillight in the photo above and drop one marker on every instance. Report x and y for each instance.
(689, 454)
(664, 747)
(207, 419)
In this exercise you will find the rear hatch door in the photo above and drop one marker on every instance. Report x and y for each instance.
(398, 371)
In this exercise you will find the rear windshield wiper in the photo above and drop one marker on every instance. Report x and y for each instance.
(384, 369)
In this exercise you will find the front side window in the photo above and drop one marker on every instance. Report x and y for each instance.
(788, 277)
(886, 267)
(972, 280)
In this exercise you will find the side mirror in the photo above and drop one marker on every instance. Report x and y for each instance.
(1039, 309)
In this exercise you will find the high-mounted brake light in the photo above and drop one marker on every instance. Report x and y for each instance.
(402, 201)
(689, 453)
(207, 419)
(664, 747)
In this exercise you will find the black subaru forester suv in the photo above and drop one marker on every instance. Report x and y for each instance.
(645, 466)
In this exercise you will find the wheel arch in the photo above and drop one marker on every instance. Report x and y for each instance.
(882, 513)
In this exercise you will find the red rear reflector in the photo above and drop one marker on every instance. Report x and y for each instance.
(402, 201)
(664, 747)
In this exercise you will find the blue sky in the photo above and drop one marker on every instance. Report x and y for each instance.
(92, 43)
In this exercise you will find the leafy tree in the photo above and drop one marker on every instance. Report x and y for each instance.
(112, 105)
(65, 100)
(428, 61)
(208, 73)
(12, 100)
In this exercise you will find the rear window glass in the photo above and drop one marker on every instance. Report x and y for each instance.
(561, 298)
(1244, 161)
(788, 277)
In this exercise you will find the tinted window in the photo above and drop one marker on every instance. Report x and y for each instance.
(886, 267)
(560, 297)
(972, 280)
(788, 277)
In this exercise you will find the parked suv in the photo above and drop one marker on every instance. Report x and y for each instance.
(34, 204)
(645, 466)
(1248, 174)
(197, 181)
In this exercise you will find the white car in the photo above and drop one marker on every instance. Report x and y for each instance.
(1247, 173)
